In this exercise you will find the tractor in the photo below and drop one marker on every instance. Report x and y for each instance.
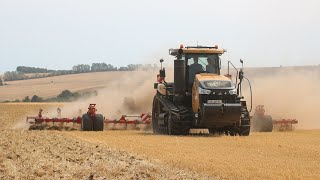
(200, 97)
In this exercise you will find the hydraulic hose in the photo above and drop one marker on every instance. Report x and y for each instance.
(250, 93)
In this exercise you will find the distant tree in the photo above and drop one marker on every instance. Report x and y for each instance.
(36, 98)
(25, 69)
(99, 67)
(1, 83)
(13, 75)
(67, 95)
(81, 68)
(26, 99)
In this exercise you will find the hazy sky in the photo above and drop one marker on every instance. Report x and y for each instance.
(60, 33)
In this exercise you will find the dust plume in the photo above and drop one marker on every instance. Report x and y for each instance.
(131, 93)
(289, 93)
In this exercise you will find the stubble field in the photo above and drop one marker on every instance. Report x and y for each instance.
(139, 154)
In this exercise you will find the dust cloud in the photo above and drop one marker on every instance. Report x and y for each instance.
(288, 93)
(132, 93)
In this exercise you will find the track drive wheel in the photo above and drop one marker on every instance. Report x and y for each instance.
(156, 111)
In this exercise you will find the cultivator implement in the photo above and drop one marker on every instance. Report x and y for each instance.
(264, 123)
(285, 124)
(129, 121)
(125, 122)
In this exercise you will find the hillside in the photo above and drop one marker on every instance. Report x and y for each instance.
(52, 86)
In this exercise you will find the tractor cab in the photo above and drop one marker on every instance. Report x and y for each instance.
(198, 60)
(201, 63)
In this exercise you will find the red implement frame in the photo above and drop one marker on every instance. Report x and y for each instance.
(130, 119)
(125, 119)
(285, 124)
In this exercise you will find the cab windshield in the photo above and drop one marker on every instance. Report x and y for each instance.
(201, 63)
(207, 63)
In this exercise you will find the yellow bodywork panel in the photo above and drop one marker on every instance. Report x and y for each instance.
(202, 51)
(195, 88)
(195, 96)
(210, 76)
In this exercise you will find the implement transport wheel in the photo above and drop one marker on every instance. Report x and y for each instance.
(156, 111)
(262, 124)
(98, 124)
(86, 123)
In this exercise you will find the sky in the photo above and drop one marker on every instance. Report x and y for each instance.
(61, 33)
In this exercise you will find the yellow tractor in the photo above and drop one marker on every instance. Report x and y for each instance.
(200, 97)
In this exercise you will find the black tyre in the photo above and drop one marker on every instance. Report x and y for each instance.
(86, 123)
(98, 123)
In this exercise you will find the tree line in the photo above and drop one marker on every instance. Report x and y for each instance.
(21, 71)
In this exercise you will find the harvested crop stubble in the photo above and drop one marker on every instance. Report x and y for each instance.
(277, 155)
(13, 114)
(49, 155)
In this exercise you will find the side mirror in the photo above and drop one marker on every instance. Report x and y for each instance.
(241, 71)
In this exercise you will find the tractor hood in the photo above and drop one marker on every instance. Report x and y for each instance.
(214, 81)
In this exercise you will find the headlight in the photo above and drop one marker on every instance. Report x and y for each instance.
(204, 91)
(233, 92)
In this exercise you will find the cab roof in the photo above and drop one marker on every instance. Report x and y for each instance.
(196, 50)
